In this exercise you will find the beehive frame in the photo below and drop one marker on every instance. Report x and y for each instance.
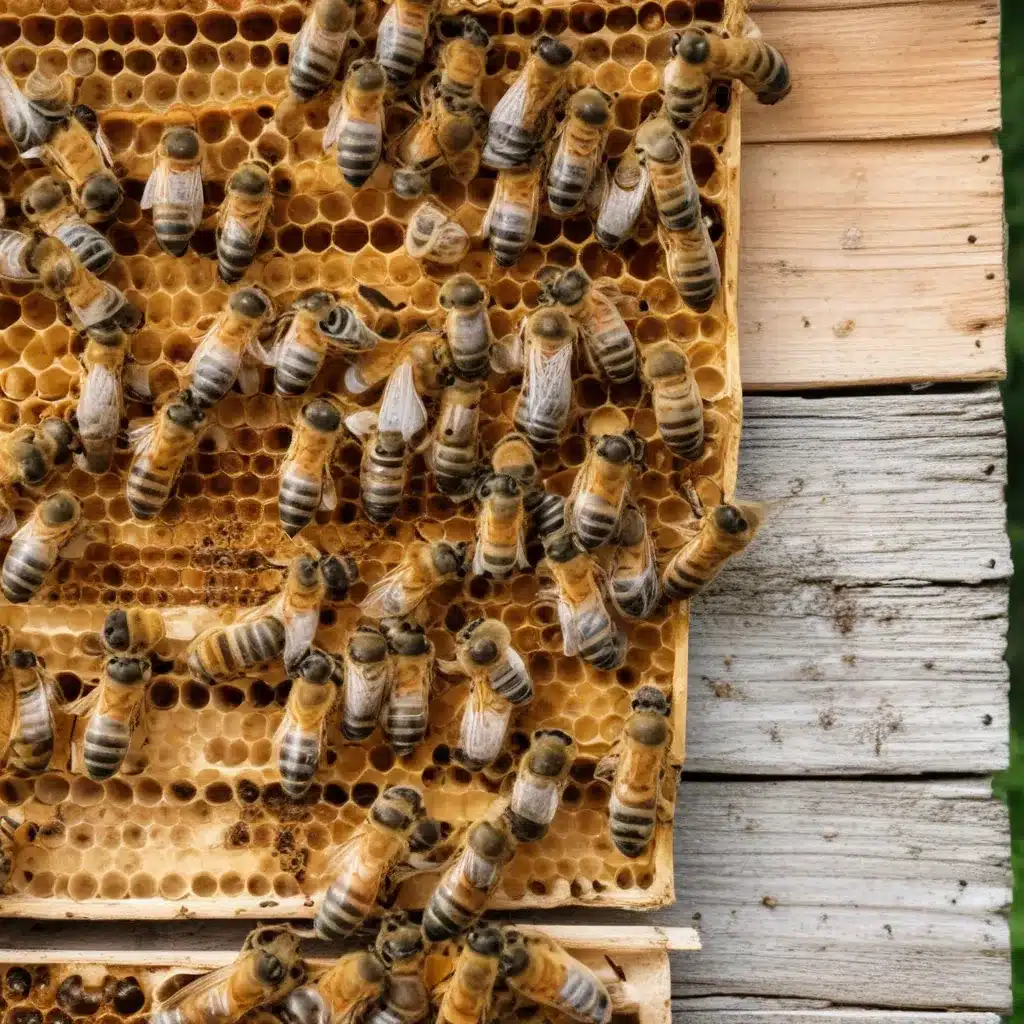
(197, 800)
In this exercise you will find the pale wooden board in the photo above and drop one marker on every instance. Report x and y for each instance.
(770, 1011)
(856, 265)
(882, 71)
(846, 891)
(864, 630)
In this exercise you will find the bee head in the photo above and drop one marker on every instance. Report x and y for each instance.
(729, 519)
(562, 547)
(614, 448)
(691, 46)
(473, 32)
(665, 359)
(549, 752)
(59, 431)
(632, 527)
(515, 958)
(591, 107)
(396, 808)
(369, 76)
(426, 834)
(318, 303)
(31, 463)
(571, 287)
(316, 667)
(337, 15)
(59, 509)
(449, 559)
(322, 415)
(390, 442)
(408, 639)
(486, 940)
(305, 571)
(457, 134)
(184, 412)
(102, 193)
(45, 195)
(398, 942)
(549, 323)
(339, 573)
(181, 143)
(249, 302)
(250, 179)
(116, 633)
(552, 52)
(127, 670)
(407, 183)
(22, 658)
(269, 968)
(86, 117)
(488, 841)
(656, 141)
(367, 646)
(651, 699)
(461, 292)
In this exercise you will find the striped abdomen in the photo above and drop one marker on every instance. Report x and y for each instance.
(572, 169)
(511, 231)
(762, 69)
(95, 252)
(532, 807)
(547, 510)
(26, 566)
(405, 720)
(148, 489)
(230, 651)
(632, 814)
(693, 266)
(510, 680)
(99, 419)
(296, 368)
(594, 519)
(297, 761)
(316, 57)
(405, 1002)
(105, 746)
(680, 417)
(612, 347)
(453, 467)
(676, 196)
(362, 697)
(470, 342)
(636, 595)
(15, 248)
(583, 996)
(359, 149)
(382, 483)
(298, 499)
(600, 644)
(24, 124)
(508, 145)
(497, 555)
(173, 226)
(352, 896)
(214, 374)
(460, 897)
(685, 104)
(236, 249)
(32, 745)
(402, 41)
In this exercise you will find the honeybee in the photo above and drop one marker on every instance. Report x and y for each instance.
(112, 710)
(634, 587)
(467, 327)
(47, 204)
(692, 264)
(8, 839)
(747, 58)
(407, 705)
(501, 528)
(29, 454)
(93, 304)
(30, 745)
(723, 532)
(453, 454)
(101, 400)
(463, 66)
(78, 152)
(301, 733)
(362, 866)
(285, 626)
(468, 996)
(418, 152)
(521, 117)
(602, 484)
(36, 547)
(431, 364)
(675, 398)
(594, 305)
(406, 1001)
(402, 38)
(174, 191)
(134, 633)
(229, 350)
(267, 968)
(248, 198)
(634, 771)
(31, 115)
(511, 219)
(579, 150)
(466, 885)
(161, 446)
(17, 256)
(356, 122)
(545, 405)
(424, 566)
(341, 995)
(367, 673)
(686, 82)
(540, 780)
(540, 971)
(546, 510)
(306, 333)
(318, 49)
(587, 628)
(622, 201)
(513, 456)
(306, 481)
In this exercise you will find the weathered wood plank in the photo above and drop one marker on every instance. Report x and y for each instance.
(770, 1011)
(842, 890)
(864, 630)
(824, 5)
(882, 72)
(872, 263)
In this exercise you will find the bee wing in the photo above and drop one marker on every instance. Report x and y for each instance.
(364, 694)
(362, 422)
(401, 408)
(511, 108)
(391, 595)
(570, 631)
(99, 408)
(204, 343)
(178, 188)
(85, 704)
(606, 290)
(484, 723)
(507, 354)
(336, 121)
(196, 989)
(249, 379)
(550, 379)
(299, 632)
(8, 520)
(622, 205)
(140, 436)
(103, 145)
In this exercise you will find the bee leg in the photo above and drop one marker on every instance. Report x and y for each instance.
(665, 810)
(605, 769)
(693, 500)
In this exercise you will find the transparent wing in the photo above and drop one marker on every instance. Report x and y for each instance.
(484, 723)
(391, 595)
(401, 408)
(622, 205)
(550, 379)
(570, 631)
(336, 121)
(8, 520)
(329, 494)
(103, 145)
(362, 422)
(85, 704)
(198, 988)
(363, 695)
(140, 437)
(99, 408)
(511, 108)
(299, 631)
(156, 187)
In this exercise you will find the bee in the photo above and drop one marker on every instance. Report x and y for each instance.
(723, 532)
(356, 122)
(367, 673)
(406, 1001)
(501, 528)
(17, 256)
(676, 399)
(30, 745)
(747, 58)
(634, 587)
(28, 455)
(161, 446)
(587, 628)
(540, 971)
(267, 969)
(92, 304)
(301, 733)
(101, 399)
(468, 996)
(174, 191)
(546, 510)
(48, 206)
(686, 81)
(418, 151)
(31, 115)
(594, 305)
(520, 119)
(318, 49)
(424, 566)
(362, 866)
(692, 264)
(406, 707)
(634, 772)
(229, 350)
(306, 481)
(8, 840)
(467, 327)
(134, 633)
(314, 325)
(36, 547)
(453, 453)
(78, 152)
(511, 219)
(542, 776)
(579, 151)
(243, 216)
(386, 435)
(463, 66)
(601, 486)
(431, 364)
(402, 38)
(112, 711)
(285, 626)
(342, 994)
(545, 405)
(513, 456)
(466, 885)
(622, 201)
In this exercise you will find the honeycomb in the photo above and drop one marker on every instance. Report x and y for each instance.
(197, 823)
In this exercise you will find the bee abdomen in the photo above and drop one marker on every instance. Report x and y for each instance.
(568, 182)
(99, 453)
(147, 492)
(104, 747)
(214, 374)
(680, 209)
(679, 583)
(508, 146)
(298, 760)
(312, 68)
(632, 826)
(23, 572)
(594, 521)
(35, 731)
(234, 649)
(452, 468)
(405, 723)
(173, 228)
(403, 56)
(601, 645)
(525, 829)
(236, 248)
(698, 284)
(382, 486)
(95, 252)
(15, 249)
(341, 911)
(685, 105)
(296, 370)
(633, 598)
(547, 510)
(615, 353)
(305, 1005)
(470, 347)
(359, 147)
(510, 233)
(587, 999)
(298, 501)
(444, 917)
(512, 684)
(542, 427)
(681, 425)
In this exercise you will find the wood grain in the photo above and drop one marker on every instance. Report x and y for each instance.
(779, 1011)
(857, 264)
(879, 72)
